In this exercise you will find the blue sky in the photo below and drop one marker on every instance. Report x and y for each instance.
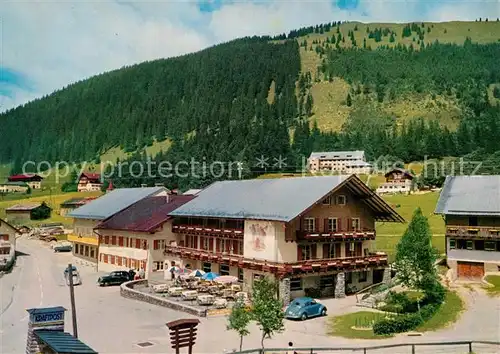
(48, 45)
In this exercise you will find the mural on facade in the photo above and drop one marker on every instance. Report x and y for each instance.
(259, 233)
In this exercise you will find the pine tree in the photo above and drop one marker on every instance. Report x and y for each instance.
(348, 100)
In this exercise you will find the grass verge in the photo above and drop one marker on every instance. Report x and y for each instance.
(342, 326)
(448, 313)
(495, 281)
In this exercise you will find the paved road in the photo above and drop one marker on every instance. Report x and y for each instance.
(112, 324)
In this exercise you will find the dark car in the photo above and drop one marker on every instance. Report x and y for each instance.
(117, 277)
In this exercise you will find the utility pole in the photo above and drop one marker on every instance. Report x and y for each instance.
(72, 297)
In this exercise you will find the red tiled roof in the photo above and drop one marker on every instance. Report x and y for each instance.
(25, 177)
(146, 214)
(91, 176)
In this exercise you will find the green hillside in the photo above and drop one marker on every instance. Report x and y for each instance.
(410, 91)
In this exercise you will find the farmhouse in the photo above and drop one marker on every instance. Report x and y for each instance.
(7, 234)
(342, 162)
(34, 181)
(89, 182)
(136, 237)
(397, 180)
(471, 209)
(14, 187)
(313, 234)
(28, 211)
(87, 217)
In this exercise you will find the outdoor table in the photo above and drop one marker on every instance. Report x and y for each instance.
(175, 291)
(206, 299)
(189, 295)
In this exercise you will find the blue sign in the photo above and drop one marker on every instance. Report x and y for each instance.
(49, 317)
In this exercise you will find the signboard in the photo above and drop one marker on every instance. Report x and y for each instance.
(47, 318)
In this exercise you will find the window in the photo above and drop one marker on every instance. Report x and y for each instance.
(257, 277)
(453, 244)
(120, 241)
(204, 245)
(113, 240)
(207, 267)
(473, 221)
(306, 252)
(86, 251)
(137, 243)
(326, 281)
(112, 260)
(156, 244)
(157, 265)
(118, 261)
(295, 284)
(105, 258)
(470, 245)
(76, 248)
(309, 224)
(240, 275)
(144, 244)
(341, 200)
(489, 246)
(332, 224)
(348, 278)
(92, 252)
(356, 225)
(327, 201)
(106, 240)
(479, 245)
(224, 269)
(461, 244)
(362, 276)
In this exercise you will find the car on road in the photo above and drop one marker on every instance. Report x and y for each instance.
(303, 308)
(117, 277)
(77, 280)
(63, 247)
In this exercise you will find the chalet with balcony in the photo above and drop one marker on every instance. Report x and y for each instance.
(470, 206)
(87, 217)
(136, 237)
(34, 181)
(313, 234)
(397, 180)
(89, 182)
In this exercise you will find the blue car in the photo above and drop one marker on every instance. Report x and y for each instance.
(303, 308)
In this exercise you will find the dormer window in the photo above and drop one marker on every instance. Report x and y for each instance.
(341, 200)
(327, 201)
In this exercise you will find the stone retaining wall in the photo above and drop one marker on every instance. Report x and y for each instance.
(127, 290)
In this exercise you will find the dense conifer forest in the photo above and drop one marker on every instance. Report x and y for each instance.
(248, 98)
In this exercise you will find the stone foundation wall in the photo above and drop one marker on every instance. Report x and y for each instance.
(284, 290)
(340, 286)
(386, 279)
(127, 290)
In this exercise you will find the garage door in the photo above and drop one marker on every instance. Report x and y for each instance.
(470, 270)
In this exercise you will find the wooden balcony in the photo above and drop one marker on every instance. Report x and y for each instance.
(282, 269)
(359, 235)
(207, 231)
(486, 232)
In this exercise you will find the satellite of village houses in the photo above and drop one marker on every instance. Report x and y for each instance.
(219, 176)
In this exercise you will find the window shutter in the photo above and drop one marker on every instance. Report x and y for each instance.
(106, 240)
(137, 243)
(326, 249)
(210, 244)
(359, 249)
(156, 244)
(314, 251)
(339, 224)
(337, 250)
(316, 224)
(217, 249)
(145, 244)
(195, 240)
(299, 253)
(120, 241)
(113, 240)
(228, 245)
(325, 225)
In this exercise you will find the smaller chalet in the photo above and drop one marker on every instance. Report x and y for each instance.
(34, 181)
(397, 180)
(14, 187)
(29, 211)
(89, 182)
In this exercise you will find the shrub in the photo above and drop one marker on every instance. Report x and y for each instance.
(395, 308)
(404, 323)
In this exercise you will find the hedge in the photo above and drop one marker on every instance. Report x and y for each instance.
(405, 323)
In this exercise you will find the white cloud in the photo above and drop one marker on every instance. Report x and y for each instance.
(54, 44)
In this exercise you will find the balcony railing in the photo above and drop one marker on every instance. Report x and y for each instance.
(337, 235)
(282, 268)
(473, 231)
(215, 231)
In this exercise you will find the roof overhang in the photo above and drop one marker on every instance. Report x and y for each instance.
(382, 211)
(8, 225)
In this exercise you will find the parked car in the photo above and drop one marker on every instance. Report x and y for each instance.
(63, 247)
(117, 277)
(305, 307)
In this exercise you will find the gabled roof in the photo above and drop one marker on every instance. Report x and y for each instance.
(470, 195)
(91, 176)
(400, 170)
(25, 177)
(192, 191)
(24, 207)
(63, 342)
(280, 199)
(113, 202)
(338, 155)
(145, 215)
(3, 222)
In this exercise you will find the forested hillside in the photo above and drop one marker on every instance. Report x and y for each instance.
(406, 90)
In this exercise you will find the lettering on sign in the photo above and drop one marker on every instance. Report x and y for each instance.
(49, 317)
